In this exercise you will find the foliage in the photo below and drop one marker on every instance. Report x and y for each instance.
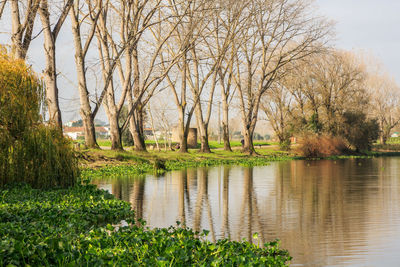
(319, 146)
(75, 227)
(285, 144)
(359, 131)
(20, 96)
(29, 151)
(257, 136)
(43, 158)
(160, 162)
(387, 147)
(314, 124)
(78, 123)
(393, 140)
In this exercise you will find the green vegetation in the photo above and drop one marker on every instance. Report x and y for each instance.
(30, 152)
(213, 144)
(129, 163)
(76, 226)
(112, 163)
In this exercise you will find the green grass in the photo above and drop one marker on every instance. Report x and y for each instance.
(76, 227)
(128, 163)
(393, 140)
(213, 144)
(104, 142)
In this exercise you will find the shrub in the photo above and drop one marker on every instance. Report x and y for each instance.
(317, 146)
(29, 151)
(285, 145)
(359, 131)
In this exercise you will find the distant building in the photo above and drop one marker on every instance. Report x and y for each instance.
(148, 131)
(78, 132)
(395, 134)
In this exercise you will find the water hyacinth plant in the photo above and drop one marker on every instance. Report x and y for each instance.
(76, 227)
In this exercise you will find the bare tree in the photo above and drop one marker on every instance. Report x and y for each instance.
(22, 22)
(278, 106)
(184, 76)
(228, 22)
(279, 32)
(108, 47)
(148, 26)
(50, 73)
(81, 49)
(322, 89)
(208, 56)
(142, 74)
(152, 126)
(163, 117)
(341, 84)
(385, 103)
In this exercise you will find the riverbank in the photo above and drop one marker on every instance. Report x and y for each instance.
(96, 162)
(81, 226)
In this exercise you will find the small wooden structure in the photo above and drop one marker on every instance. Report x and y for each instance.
(192, 137)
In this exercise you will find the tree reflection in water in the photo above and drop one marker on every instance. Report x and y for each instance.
(324, 212)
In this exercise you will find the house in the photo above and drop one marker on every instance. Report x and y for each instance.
(78, 132)
(395, 134)
(148, 132)
(73, 132)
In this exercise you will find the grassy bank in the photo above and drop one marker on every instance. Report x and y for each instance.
(76, 227)
(212, 144)
(96, 163)
(108, 163)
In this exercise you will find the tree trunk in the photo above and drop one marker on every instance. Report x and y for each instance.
(383, 139)
(85, 109)
(183, 133)
(137, 131)
(21, 34)
(225, 124)
(385, 134)
(51, 83)
(136, 121)
(205, 147)
(50, 71)
(90, 132)
(248, 146)
(115, 132)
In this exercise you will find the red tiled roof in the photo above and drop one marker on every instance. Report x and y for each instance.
(81, 129)
(72, 129)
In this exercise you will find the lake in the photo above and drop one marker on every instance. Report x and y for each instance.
(326, 212)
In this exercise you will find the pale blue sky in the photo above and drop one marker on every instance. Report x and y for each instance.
(370, 25)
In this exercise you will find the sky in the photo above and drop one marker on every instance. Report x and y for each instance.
(369, 25)
(372, 26)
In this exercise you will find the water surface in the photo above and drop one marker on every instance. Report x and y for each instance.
(326, 213)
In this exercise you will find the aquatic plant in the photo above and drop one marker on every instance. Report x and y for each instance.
(77, 227)
(156, 165)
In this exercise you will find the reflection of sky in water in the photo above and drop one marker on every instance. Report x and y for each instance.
(326, 213)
